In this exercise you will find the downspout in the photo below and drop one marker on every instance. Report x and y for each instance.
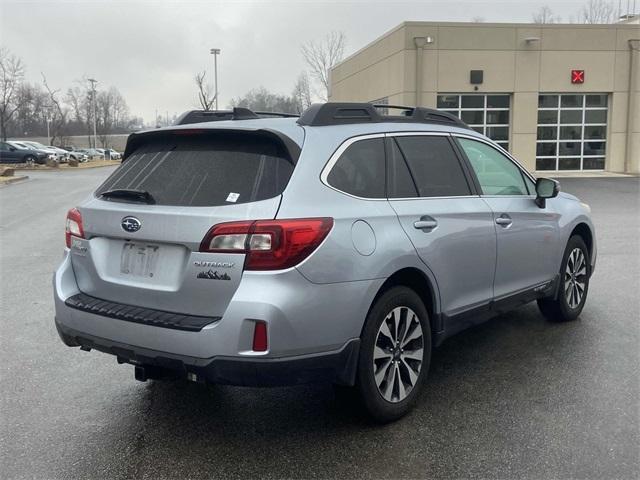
(634, 66)
(420, 42)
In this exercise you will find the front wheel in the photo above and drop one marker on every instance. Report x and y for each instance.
(575, 273)
(30, 160)
(395, 354)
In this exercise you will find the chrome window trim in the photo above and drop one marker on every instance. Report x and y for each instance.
(506, 154)
(350, 141)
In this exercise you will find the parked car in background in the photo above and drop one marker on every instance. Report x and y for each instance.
(39, 146)
(12, 153)
(63, 155)
(78, 155)
(112, 154)
(92, 153)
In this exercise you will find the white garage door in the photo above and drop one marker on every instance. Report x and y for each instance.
(572, 132)
(487, 114)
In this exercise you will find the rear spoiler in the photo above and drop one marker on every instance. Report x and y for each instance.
(135, 140)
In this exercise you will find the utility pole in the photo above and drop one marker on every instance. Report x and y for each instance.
(93, 98)
(215, 52)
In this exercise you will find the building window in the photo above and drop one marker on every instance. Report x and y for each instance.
(572, 131)
(486, 114)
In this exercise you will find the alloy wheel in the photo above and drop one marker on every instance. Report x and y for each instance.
(575, 278)
(398, 354)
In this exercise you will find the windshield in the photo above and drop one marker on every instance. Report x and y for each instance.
(205, 170)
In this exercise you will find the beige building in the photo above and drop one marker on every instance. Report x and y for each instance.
(558, 97)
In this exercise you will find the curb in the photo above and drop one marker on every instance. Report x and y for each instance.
(11, 180)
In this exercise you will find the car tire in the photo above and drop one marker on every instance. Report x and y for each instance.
(390, 375)
(575, 273)
(30, 160)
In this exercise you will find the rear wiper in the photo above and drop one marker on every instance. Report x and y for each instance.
(136, 195)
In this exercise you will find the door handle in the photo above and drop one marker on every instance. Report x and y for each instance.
(504, 220)
(425, 223)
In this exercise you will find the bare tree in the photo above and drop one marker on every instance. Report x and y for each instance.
(54, 113)
(206, 98)
(321, 56)
(302, 92)
(261, 100)
(545, 15)
(11, 78)
(478, 20)
(75, 98)
(597, 11)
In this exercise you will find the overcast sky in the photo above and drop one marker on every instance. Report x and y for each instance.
(151, 50)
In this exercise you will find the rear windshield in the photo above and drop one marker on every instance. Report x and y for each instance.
(205, 170)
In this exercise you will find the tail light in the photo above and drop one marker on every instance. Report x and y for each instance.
(268, 244)
(73, 226)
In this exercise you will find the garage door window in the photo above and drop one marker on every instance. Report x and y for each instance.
(572, 132)
(486, 114)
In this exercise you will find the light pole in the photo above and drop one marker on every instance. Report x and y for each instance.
(93, 98)
(215, 52)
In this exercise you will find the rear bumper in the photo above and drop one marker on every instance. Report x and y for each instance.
(337, 366)
(313, 330)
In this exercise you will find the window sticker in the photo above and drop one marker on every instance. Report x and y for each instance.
(233, 197)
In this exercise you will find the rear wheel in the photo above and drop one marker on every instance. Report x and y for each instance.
(574, 284)
(30, 160)
(395, 354)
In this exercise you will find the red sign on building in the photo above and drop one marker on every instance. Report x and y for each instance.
(577, 76)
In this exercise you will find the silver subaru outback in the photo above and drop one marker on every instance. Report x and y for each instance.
(340, 246)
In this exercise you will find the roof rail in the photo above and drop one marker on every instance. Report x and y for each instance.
(334, 113)
(238, 113)
(277, 114)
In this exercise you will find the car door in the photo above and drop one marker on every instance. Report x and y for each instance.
(526, 233)
(449, 225)
(8, 153)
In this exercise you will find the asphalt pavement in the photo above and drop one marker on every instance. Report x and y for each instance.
(516, 397)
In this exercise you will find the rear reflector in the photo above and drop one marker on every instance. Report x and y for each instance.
(73, 226)
(268, 244)
(260, 343)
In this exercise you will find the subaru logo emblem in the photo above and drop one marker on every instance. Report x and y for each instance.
(131, 224)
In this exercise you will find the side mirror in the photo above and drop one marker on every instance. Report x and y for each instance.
(13, 149)
(546, 188)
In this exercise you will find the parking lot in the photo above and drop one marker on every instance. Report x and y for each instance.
(516, 397)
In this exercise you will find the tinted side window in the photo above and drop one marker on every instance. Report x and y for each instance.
(360, 170)
(400, 182)
(434, 166)
(496, 173)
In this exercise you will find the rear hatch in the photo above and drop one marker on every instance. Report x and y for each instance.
(145, 224)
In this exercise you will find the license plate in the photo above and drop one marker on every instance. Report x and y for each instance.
(139, 259)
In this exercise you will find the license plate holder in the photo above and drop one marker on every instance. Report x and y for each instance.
(139, 259)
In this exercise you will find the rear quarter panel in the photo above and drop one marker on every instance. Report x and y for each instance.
(345, 255)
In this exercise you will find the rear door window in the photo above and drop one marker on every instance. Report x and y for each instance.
(434, 166)
(205, 170)
(400, 181)
(360, 170)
